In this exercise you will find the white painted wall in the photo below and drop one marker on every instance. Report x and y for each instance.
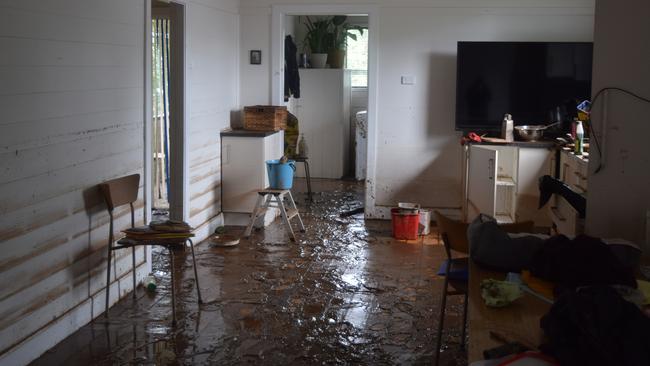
(418, 154)
(213, 90)
(619, 198)
(72, 102)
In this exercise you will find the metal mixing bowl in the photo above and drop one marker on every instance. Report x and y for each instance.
(530, 132)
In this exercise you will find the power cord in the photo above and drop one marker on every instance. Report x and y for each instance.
(593, 103)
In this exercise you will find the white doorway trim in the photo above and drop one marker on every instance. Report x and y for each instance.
(277, 72)
(147, 117)
(179, 167)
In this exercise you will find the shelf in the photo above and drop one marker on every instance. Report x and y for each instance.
(505, 181)
(504, 219)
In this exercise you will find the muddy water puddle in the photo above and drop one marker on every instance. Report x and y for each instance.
(345, 292)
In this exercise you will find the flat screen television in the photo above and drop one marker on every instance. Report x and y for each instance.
(535, 82)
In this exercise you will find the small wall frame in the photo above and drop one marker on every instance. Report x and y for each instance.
(256, 57)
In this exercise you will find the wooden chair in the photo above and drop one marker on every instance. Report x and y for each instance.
(118, 192)
(455, 270)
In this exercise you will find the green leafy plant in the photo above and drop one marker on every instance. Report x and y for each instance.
(341, 31)
(318, 34)
(325, 34)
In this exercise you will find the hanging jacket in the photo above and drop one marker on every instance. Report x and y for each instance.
(291, 76)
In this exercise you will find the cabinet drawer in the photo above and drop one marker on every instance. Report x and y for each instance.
(581, 172)
(565, 217)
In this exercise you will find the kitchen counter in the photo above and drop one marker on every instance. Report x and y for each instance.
(246, 133)
(547, 144)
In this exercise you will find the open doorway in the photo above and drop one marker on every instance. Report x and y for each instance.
(330, 93)
(167, 98)
(281, 18)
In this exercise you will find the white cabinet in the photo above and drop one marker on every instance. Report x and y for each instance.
(573, 172)
(501, 181)
(243, 170)
(323, 112)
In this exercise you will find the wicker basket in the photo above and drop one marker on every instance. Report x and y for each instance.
(265, 118)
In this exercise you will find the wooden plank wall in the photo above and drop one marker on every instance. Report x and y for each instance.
(71, 96)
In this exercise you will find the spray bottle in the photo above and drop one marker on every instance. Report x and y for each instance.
(579, 141)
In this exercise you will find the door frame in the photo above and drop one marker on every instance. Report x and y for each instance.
(179, 171)
(277, 71)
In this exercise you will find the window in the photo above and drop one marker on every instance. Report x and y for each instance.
(356, 59)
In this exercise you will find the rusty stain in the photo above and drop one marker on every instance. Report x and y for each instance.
(215, 187)
(198, 178)
(346, 292)
(35, 223)
(197, 162)
(215, 203)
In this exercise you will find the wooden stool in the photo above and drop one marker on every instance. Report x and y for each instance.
(264, 200)
(304, 160)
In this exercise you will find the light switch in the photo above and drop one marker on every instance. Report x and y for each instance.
(408, 80)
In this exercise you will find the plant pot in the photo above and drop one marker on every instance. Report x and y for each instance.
(318, 60)
(336, 58)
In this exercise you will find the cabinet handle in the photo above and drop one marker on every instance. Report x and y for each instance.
(491, 169)
(226, 158)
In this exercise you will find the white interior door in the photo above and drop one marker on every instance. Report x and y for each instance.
(481, 195)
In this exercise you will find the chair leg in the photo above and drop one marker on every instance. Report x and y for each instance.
(108, 279)
(196, 275)
(249, 228)
(442, 319)
(259, 223)
(308, 180)
(285, 218)
(171, 270)
(293, 205)
(462, 340)
(133, 260)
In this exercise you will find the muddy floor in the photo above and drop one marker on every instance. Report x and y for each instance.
(345, 293)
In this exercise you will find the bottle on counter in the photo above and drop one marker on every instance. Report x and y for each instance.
(579, 140)
(507, 126)
(302, 146)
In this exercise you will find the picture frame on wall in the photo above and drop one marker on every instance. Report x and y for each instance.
(256, 57)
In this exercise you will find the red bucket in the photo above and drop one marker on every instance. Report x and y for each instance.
(405, 223)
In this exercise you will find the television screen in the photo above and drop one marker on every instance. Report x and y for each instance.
(536, 82)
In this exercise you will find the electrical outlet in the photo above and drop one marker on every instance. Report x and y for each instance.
(408, 80)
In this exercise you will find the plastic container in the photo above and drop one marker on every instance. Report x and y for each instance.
(303, 150)
(405, 223)
(150, 283)
(507, 127)
(425, 222)
(280, 175)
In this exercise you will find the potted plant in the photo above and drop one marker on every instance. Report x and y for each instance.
(318, 40)
(338, 39)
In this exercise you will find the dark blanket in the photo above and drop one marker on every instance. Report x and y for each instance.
(596, 326)
(583, 261)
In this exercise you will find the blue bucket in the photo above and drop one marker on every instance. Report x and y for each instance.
(280, 175)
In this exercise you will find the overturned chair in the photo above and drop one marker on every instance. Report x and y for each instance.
(122, 191)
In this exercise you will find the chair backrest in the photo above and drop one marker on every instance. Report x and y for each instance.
(120, 191)
(454, 233)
